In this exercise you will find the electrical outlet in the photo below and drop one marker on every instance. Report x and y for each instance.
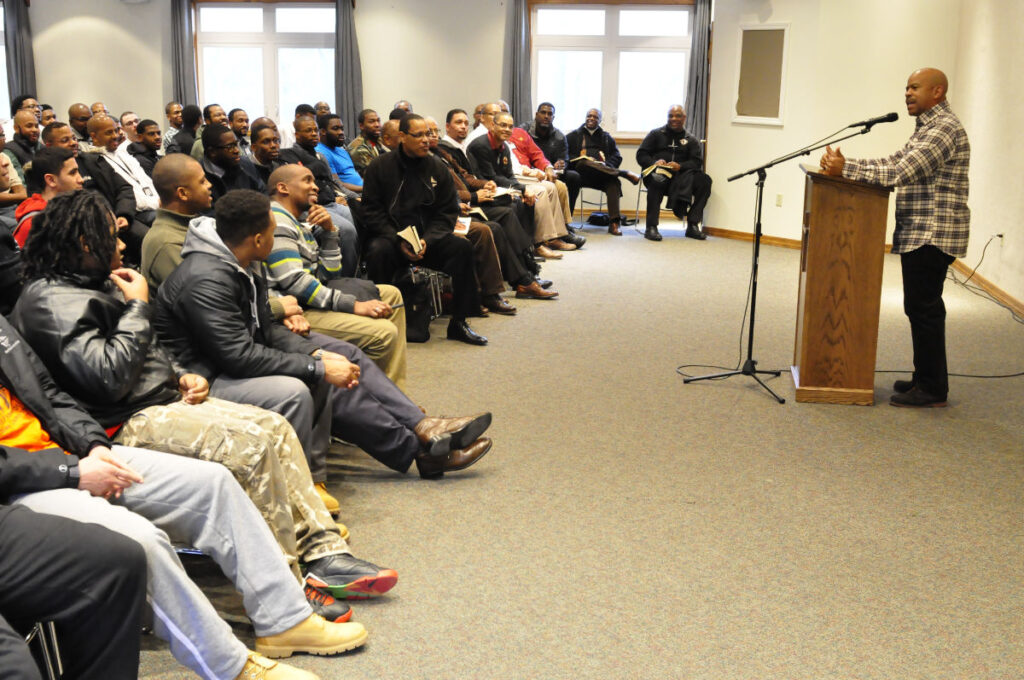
(778, 200)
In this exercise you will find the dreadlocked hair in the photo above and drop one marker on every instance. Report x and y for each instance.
(71, 236)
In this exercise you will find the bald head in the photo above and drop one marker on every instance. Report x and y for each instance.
(97, 123)
(676, 118)
(389, 134)
(181, 183)
(926, 87)
(22, 119)
(78, 116)
(285, 174)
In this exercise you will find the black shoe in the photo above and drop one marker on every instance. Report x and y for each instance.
(574, 238)
(903, 386)
(917, 398)
(458, 329)
(326, 605)
(346, 576)
(543, 283)
(652, 234)
(693, 231)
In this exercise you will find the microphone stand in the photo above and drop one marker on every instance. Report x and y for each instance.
(750, 365)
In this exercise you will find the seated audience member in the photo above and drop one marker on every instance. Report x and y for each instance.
(61, 135)
(173, 111)
(367, 145)
(99, 108)
(94, 335)
(410, 187)
(185, 138)
(397, 114)
(78, 118)
(54, 171)
(485, 250)
(214, 316)
(287, 131)
(146, 151)
(160, 498)
(321, 108)
(305, 263)
(24, 102)
(266, 148)
(223, 162)
(330, 195)
(15, 164)
(600, 167)
(129, 121)
(491, 158)
(332, 146)
(551, 142)
(213, 114)
(390, 137)
(104, 139)
(100, 175)
(47, 115)
(487, 113)
(530, 164)
(238, 121)
(478, 113)
(513, 240)
(101, 575)
(25, 142)
(12, 193)
(679, 174)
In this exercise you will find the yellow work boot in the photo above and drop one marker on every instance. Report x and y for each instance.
(313, 636)
(261, 668)
(330, 502)
(343, 530)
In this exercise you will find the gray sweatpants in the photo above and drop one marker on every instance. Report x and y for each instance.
(200, 504)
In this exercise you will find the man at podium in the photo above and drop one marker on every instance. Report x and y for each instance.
(932, 223)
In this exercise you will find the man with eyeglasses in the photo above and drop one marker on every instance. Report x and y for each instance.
(224, 165)
(410, 187)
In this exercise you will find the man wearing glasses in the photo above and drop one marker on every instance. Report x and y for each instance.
(223, 163)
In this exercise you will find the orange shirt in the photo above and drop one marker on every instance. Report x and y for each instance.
(19, 427)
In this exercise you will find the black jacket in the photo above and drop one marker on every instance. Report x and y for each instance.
(182, 142)
(146, 157)
(327, 190)
(600, 141)
(399, 191)
(204, 316)
(99, 348)
(492, 164)
(99, 176)
(244, 176)
(22, 148)
(666, 145)
(24, 375)
(554, 146)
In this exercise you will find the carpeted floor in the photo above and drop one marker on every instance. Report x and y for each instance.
(628, 525)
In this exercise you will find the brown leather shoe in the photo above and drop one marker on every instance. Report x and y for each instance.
(559, 244)
(631, 176)
(499, 305)
(440, 435)
(547, 253)
(535, 292)
(433, 467)
(613, 229)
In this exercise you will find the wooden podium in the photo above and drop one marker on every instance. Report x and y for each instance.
(840, 290)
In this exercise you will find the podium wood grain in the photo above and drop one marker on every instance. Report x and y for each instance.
(842, 247)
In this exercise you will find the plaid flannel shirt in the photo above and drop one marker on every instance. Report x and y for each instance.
(931, 174)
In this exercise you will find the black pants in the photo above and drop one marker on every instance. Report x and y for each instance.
(609, 184)
(88, 580)
(924, 273)
(685, 185)
(449, 254)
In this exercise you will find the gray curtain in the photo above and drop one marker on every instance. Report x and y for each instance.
(348, 69)
(183, 56)
(21, 66)
(697, 87)
(516, 71)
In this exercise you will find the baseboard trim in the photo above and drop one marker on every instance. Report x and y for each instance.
(995, 291)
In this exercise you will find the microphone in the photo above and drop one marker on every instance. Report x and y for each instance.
(887, 118)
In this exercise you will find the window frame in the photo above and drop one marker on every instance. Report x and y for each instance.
(610, 44)
(269, 40)
(767, 121)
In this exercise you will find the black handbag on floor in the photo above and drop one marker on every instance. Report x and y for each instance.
(417, 293)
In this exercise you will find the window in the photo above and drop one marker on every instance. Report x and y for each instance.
(630, 61)
(760, 86)
(266, 59)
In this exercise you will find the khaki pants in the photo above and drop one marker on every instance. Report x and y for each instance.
(383, 340)
(263, 454)
(549, 222)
